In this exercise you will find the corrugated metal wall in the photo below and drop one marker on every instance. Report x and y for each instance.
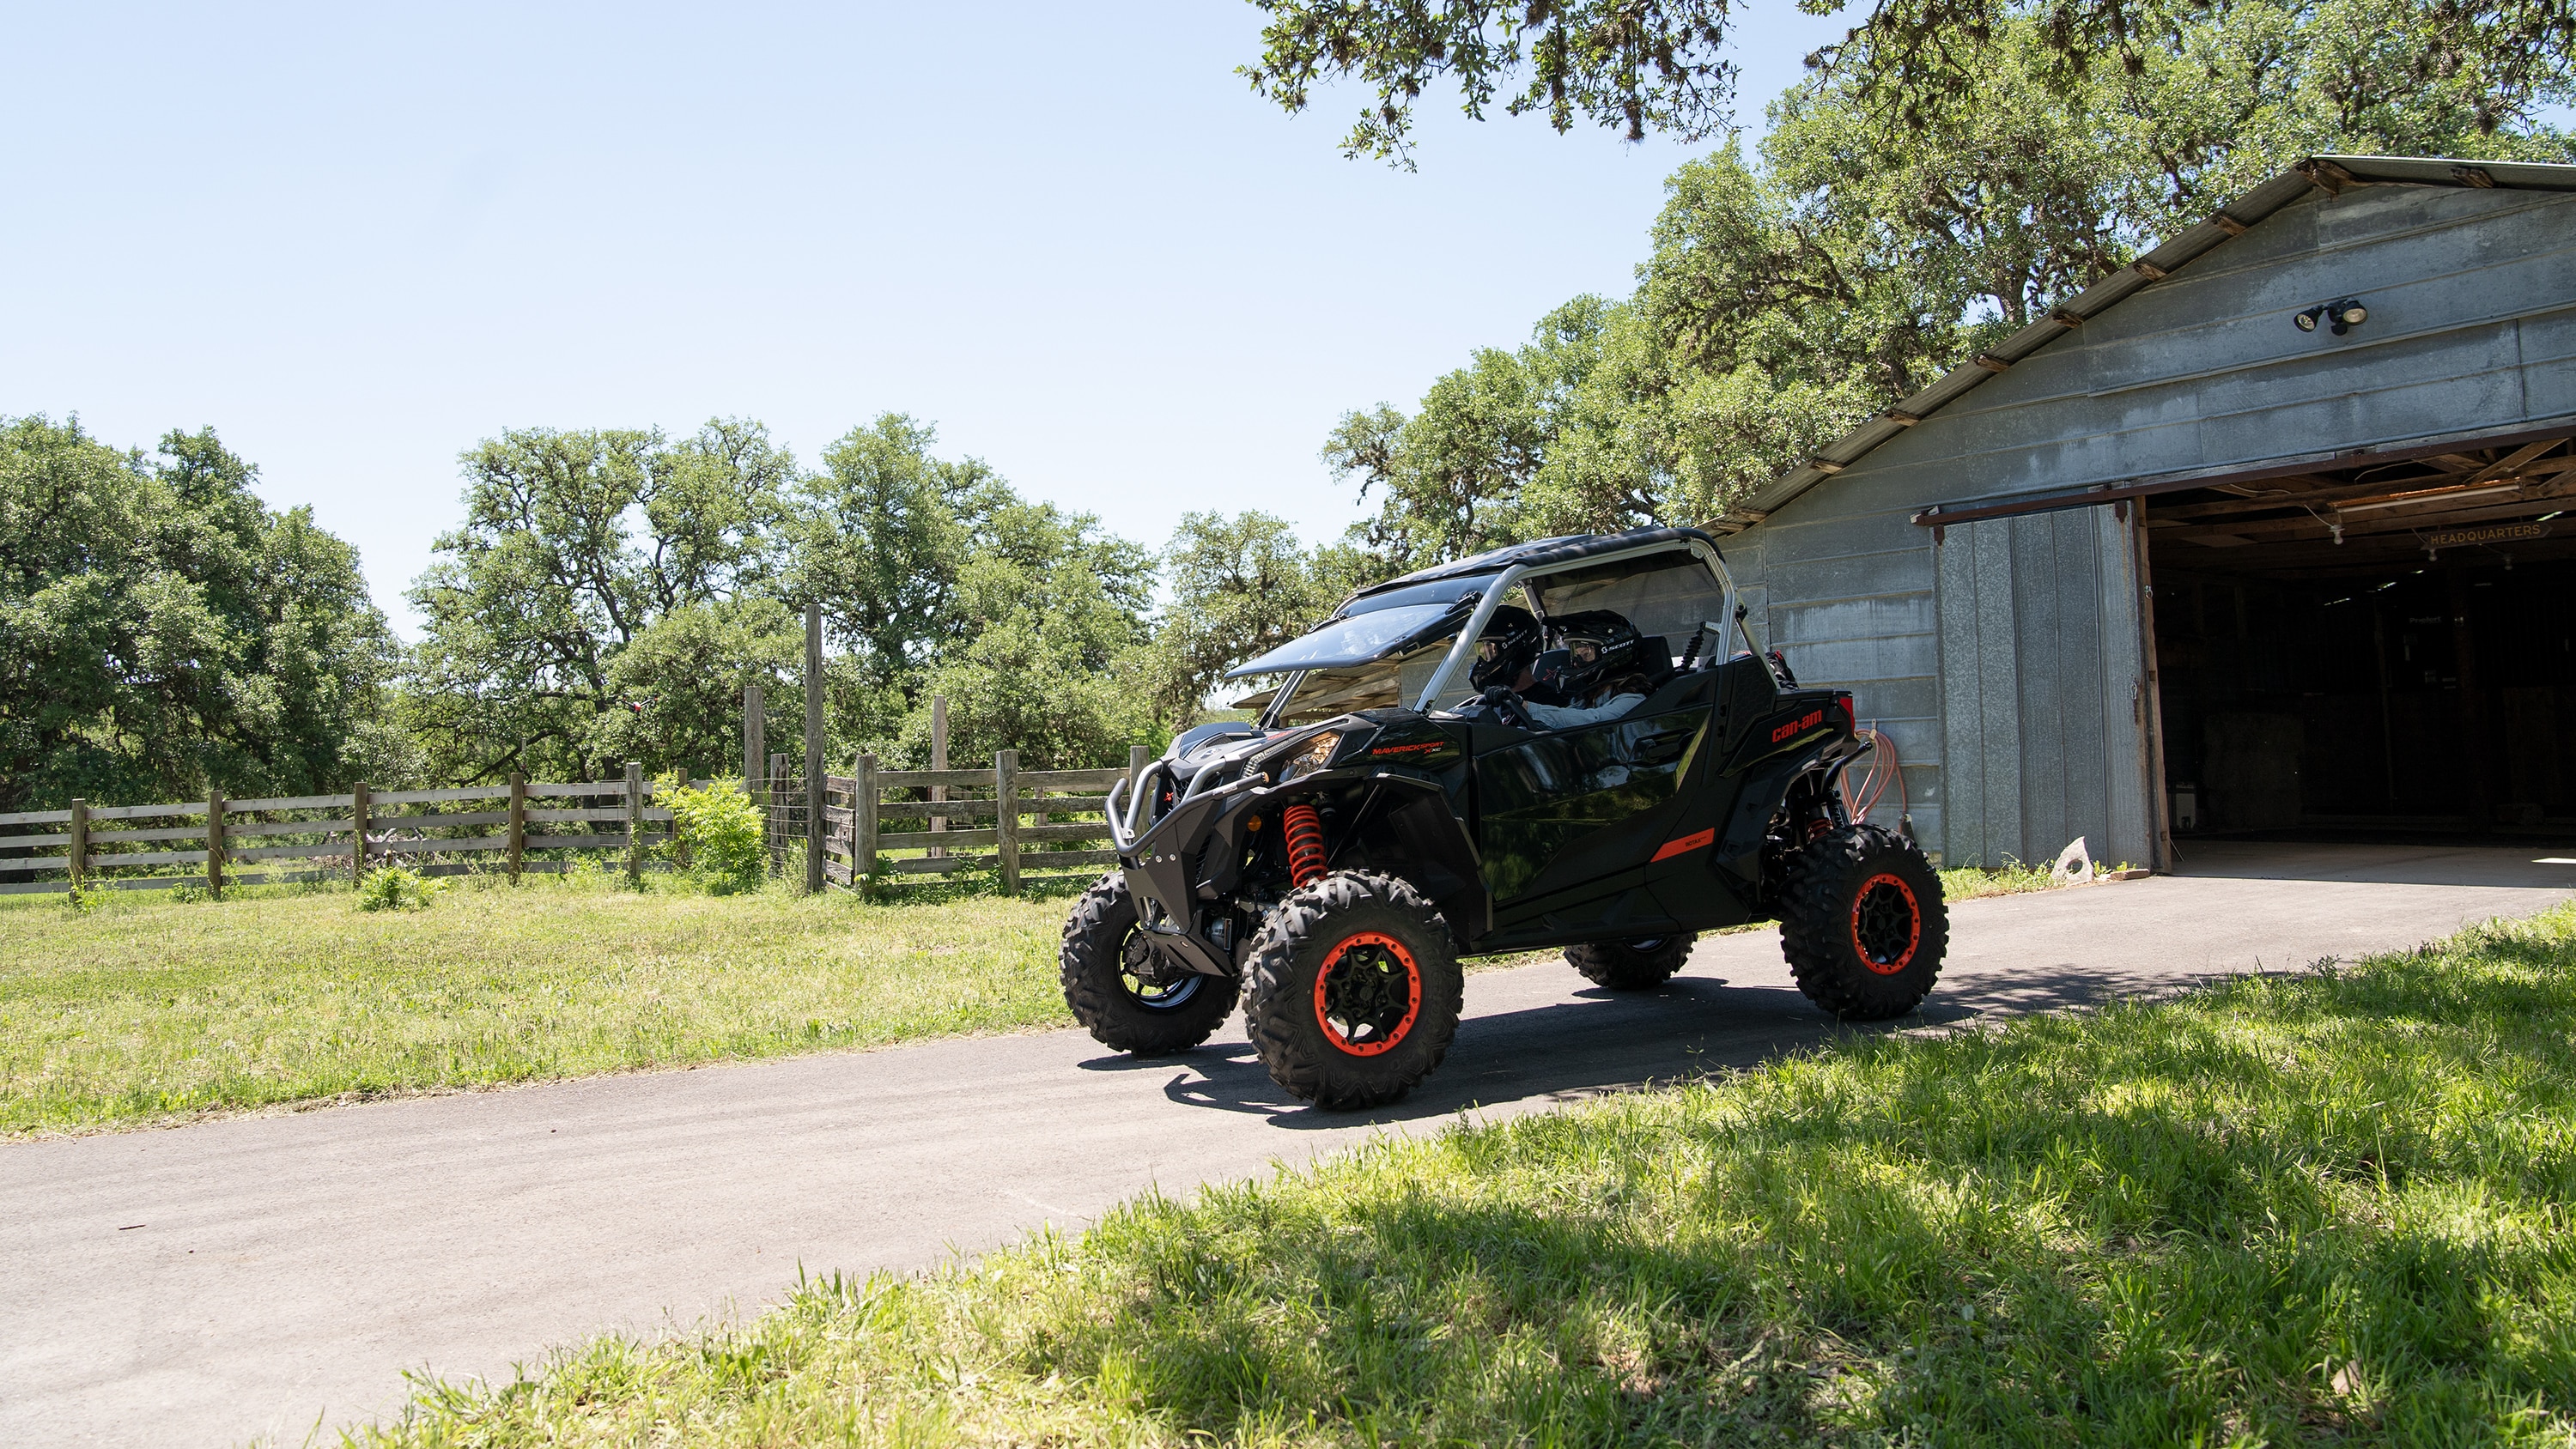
(2043, 691)
(2473, 329)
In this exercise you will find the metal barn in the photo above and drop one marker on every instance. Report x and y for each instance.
(2262, 533)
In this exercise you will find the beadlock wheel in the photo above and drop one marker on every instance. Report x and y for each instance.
(1862, 922)
(1368, 994)
(1887, 924)
(1352, 991)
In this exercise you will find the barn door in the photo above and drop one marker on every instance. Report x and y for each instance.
(2045, 700)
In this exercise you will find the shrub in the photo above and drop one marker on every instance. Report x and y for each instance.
(716, 834)
(396, 888)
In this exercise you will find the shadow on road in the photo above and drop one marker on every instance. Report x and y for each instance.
(1598, 1042)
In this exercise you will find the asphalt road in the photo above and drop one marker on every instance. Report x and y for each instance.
(268, 1276)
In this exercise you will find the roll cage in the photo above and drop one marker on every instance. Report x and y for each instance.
(1553, 557)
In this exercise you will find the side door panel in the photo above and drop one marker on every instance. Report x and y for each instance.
(1568, 821)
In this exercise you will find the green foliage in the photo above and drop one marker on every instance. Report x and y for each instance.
(1050, 614)
(397, 888)
(2327, 1208)
(717, 833)
(161, 631)
(1869, 248)
(574, 546)
(678, 686)
(879, 538)
(1915, 63)
(1238, 586)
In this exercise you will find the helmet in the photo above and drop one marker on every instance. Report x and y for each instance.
(1591, 647)
(1509, 643)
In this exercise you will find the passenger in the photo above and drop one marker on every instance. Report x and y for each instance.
(1598, 670)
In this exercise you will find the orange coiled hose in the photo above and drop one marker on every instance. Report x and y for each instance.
(1305, 843)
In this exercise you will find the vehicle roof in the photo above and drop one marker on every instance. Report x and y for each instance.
(1541, 555)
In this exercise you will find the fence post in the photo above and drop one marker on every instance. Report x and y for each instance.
(1138, 757)
(1006, 818)
(80, 843)
(635, 822)
(863, 825)
(518, 823)
(755, 724)
(773, 832)
(938, 761)
(358, 832)
(813, 749)
(215, 844)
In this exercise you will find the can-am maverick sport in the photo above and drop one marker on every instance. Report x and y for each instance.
(1385, 816)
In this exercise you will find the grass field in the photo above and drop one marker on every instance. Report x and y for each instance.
(2328, 1208)
(146, 1009)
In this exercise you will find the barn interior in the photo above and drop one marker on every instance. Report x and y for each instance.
(2380, 650)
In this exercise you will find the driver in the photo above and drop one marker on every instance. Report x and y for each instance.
(1596, 672)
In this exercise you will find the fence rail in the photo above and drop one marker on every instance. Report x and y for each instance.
(355, 830)
(1006, 820)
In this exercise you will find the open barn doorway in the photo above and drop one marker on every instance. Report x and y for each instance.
(2381, 649)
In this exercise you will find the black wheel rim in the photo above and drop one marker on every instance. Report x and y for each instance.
(1367, 994)
(1887, 924)
(1648, 946)
(1149, 980)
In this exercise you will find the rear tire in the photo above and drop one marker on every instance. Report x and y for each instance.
(1863, 924)
(1638, 965)
(1353, 991)
(1167, 1008)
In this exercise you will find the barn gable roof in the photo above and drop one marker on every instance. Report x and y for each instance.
(2332, 174)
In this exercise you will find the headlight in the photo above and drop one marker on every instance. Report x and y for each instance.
(1306, 756)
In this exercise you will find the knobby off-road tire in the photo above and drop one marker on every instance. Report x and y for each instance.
(1863, 923)
(1637, 965)
(1353, 991)
(1103, 949)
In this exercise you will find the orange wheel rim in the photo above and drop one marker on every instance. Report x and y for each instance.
(1367, 994)
(1886, 924)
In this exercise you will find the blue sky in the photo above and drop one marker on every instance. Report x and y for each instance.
(355, 241)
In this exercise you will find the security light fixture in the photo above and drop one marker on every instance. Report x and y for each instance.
(2344, 316)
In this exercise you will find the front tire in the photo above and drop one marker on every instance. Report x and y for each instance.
(1353, 991)
(1123, 991)
(1638, 965)
(1863, 924)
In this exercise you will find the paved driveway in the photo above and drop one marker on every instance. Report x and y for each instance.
(265, 1275)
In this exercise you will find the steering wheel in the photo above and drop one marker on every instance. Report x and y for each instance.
(1505, 707)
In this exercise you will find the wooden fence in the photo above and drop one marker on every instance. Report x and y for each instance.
(350, 832)
(920, 822)
(1006, 820)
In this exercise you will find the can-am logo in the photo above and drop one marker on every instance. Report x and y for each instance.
(1813, 718)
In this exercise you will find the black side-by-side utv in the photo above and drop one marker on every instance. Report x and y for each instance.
(1400, 803)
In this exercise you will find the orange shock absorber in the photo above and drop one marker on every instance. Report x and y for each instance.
(1305, 834)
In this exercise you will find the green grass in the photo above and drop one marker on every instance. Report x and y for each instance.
(2327, 1208)
(151, 1009)
(145, 1010)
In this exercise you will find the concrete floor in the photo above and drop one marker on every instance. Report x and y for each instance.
(271, 1276)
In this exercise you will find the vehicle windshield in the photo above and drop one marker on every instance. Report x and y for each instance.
(1355, 640)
